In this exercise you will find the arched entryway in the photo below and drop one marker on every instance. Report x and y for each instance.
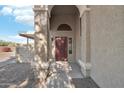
(64, 30)
(77, 39)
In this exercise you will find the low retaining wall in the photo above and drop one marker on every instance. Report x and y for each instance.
(5, 49)
(25, 54)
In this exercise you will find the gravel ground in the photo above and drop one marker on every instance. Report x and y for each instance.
(16, 75)
(4, 56)
(20, 75)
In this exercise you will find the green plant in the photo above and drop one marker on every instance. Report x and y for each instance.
(6, 43)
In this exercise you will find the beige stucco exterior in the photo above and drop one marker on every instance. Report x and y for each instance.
(107, 45)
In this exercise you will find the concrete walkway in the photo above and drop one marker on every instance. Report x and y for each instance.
(78, 79)
(75, 71)
(84, 83)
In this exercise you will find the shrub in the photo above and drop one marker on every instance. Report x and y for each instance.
(6, 43)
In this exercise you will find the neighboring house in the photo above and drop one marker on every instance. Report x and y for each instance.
(91, 36)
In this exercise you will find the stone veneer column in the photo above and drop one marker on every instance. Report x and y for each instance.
(40, 44)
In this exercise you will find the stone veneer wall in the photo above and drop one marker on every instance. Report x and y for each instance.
(25, 53)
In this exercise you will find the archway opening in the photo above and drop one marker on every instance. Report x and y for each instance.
(64, 9)
(64, 18)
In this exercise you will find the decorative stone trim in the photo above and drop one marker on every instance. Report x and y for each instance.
(39, 8)
(85, 68)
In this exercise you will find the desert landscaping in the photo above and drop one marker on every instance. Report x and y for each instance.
(22, 75)
(7, 50)
(6, 53)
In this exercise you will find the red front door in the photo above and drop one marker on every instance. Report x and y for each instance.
(61, 48)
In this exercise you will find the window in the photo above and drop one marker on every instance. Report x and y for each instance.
(70, 45)
(64, 27)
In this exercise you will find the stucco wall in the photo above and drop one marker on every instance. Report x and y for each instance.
(56, 20)
(107, 45)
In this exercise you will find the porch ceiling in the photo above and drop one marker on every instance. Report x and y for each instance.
(64, 10)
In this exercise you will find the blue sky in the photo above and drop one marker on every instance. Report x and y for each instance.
(14, 20)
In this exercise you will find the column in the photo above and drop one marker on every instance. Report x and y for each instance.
(40, 44)
(88, 61)
(85, 62)
(27, 42)
(48, 37)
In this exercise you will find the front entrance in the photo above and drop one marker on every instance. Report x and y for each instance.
(61, 46)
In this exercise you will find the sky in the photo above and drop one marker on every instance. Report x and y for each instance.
(15, 20)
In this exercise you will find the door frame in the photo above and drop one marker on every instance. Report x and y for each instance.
(53, 34)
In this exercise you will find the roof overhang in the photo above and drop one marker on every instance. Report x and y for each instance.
(31, 36)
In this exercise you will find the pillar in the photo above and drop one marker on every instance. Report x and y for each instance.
(85, 62)
(27, 42)
(40, 44)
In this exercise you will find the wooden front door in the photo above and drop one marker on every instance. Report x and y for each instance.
(61, 48)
